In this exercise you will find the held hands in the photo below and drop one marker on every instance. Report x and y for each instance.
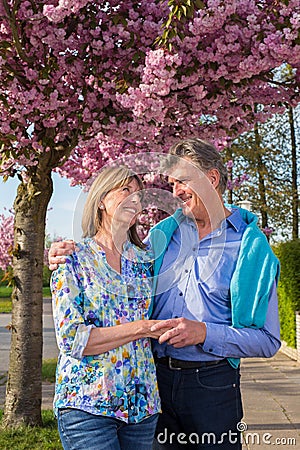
(180, 332)
(148, 326)
(58, 252)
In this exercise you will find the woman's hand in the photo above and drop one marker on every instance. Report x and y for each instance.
(58, 252)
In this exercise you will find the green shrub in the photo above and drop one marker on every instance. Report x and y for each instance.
(288, 288)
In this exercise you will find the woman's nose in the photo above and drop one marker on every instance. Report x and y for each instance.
(135, 197)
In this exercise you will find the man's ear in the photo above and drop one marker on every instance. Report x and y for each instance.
(214, 177)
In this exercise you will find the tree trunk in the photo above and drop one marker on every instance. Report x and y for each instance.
(24, 384)
(261, 170)
(295, 197)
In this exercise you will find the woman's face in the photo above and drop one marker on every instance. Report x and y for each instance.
(123, 204)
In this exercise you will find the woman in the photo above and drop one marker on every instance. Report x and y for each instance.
(106, 393)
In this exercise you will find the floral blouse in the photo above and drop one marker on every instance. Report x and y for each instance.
(88, 293)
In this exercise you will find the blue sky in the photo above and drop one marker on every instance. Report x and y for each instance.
(64, 217)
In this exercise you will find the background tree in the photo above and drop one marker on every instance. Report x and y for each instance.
(269, 156)
(294, 178)
(81, 82)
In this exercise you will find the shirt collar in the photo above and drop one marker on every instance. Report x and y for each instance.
(235, 220)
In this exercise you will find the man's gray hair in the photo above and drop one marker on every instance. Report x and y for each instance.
(203, 154)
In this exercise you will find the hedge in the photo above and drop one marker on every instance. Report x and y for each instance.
(288, 254)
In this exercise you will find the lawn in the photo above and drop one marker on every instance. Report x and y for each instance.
(37, 438)
(5, 301)
(32, 438)
(48, 370)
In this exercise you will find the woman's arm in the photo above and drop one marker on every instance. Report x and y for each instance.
(76, 338)
(103, 339)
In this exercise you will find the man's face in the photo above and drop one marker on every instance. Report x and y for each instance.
(193, 187)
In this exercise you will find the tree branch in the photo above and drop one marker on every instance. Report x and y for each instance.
(13, 24)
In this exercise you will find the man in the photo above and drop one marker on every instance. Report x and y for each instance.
(215, 289)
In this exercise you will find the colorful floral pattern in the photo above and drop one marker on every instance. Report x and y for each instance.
(88, 293)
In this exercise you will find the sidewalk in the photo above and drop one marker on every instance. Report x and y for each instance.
(270, 390)
(271, 394)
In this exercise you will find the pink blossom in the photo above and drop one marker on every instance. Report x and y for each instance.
(6, 240)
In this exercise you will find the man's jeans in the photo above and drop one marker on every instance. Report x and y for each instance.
(201, 408)
(80, 430)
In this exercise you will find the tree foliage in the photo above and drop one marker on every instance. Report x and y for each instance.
(81, 71)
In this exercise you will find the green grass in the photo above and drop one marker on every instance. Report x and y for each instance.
(48, 370)
(46, 291)
(5, 301)
(5, 306)
(5, 291)
(32, 438)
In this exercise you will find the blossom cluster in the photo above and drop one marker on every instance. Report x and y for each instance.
(86, 76)
(6, 240)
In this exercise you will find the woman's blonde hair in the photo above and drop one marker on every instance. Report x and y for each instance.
(109, 178)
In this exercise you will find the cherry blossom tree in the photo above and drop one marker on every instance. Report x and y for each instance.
(83, 82)
(6, 240)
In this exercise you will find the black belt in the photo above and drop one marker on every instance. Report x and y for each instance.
(178, 364)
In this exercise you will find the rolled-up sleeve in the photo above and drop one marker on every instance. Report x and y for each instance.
(72, 333)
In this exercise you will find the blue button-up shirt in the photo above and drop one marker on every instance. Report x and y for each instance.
(194, 282)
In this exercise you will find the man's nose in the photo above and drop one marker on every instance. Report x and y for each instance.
(177, 189)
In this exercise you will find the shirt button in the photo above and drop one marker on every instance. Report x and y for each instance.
(186, 270)
(210, 349)
(181, 294)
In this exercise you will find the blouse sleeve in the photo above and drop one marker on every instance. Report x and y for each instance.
(72, 333)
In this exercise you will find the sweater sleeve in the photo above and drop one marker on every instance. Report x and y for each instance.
(256, 270)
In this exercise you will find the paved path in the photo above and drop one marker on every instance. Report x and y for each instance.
(270, 389)
(271, 396)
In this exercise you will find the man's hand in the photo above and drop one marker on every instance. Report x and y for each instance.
(58, 252)
(156, 333)
(182, 332)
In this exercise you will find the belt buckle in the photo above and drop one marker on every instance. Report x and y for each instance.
(170, 364)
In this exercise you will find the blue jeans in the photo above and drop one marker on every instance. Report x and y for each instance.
(201, 408)
(80, 430)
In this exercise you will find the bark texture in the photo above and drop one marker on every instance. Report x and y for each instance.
(24, 385)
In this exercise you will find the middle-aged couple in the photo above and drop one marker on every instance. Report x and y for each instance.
(202, 286)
